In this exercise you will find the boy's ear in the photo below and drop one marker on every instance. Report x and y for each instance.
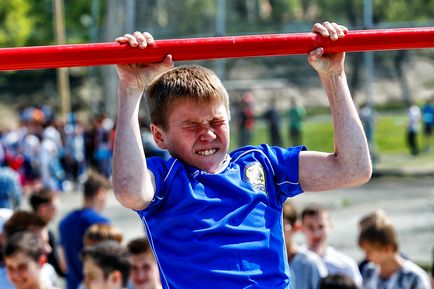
(115, 277)
(159, 136)
(42, 260)
(297, 226)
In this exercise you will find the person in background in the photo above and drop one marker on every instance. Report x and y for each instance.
(369, 116)
(337, 281)
(11, 191)
(49, 161)
(24, 257)
(74, 152)
(316, 225)
(428, 121)
(306, 268)
(106, 265)
(413, 128)
(246, 119)
(387, 268)
(273, 118)
(24, 221)
(5, 283)
(103, 145)
(102, 232)
(98, 233)
(371, 218)
(73, 226)
(144, 268)
(45, 204)
(296, 114)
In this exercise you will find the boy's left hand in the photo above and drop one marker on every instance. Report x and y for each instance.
(328, 64)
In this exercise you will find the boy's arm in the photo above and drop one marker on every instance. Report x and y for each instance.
(350, 163)
(134, 185)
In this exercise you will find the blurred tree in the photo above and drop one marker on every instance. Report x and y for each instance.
(16, 23)
(186, 18)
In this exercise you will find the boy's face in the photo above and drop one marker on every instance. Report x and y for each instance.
(48, 210)
(198, 133)
(376, 254)
(315, 228)
(93, 277)
(144, 271)
(22, 270)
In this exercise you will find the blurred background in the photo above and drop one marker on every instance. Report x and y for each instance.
(276, 100)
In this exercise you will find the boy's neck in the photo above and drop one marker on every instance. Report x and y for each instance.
(319, 249)
(391, 266)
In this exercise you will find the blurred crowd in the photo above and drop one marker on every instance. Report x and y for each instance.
(85, 251)
(45, 151)
(45, 156)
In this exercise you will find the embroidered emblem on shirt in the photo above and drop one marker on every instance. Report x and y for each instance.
(255, 175)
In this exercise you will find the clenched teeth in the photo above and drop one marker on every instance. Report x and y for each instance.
(207, 152)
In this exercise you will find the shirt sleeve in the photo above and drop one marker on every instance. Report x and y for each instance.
(160, 169)
(284, 162)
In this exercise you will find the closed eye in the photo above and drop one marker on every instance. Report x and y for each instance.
(218, 123)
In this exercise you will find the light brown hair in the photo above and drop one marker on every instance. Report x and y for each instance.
(94, 182)
(23, 221)
(290, 213)
(191, 82)
(313, 210)
(138, 246)
(102, 232)
(379, 235)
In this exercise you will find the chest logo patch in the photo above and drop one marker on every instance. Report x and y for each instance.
(255, 175)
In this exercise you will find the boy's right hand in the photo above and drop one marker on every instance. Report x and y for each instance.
(139, 75)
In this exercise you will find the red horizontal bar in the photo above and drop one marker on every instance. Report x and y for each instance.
(41, 57)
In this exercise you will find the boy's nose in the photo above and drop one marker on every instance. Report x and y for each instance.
(207, 134)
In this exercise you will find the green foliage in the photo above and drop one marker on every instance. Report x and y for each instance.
(186, 18)
(403, 10)
(15, 23)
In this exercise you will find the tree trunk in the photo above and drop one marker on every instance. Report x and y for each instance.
(400, 63)
(112, 28)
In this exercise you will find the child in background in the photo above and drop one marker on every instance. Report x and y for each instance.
(387, 269)
(307, 268)
(316, 225)
(144, 268)
(102, 232)
(24, 257)
(106, 265)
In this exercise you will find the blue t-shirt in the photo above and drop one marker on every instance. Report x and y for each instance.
(72, 229)
(223, 230)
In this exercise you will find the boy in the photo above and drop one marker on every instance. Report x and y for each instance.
(387, 268)
(144, 268)
(217, 217)
(106, 265)
(5, 283)
(24, 221)
(316, 224)
(24, 257)
(306, 267)
(45, 204)
(73, 226)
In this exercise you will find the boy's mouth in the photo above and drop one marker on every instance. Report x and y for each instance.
(207, 152)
